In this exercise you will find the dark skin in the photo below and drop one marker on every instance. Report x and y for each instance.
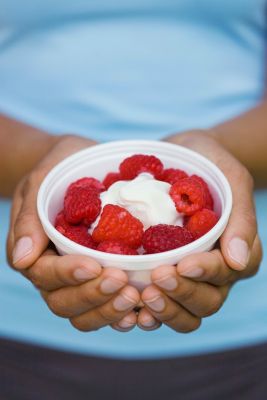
(181, 302)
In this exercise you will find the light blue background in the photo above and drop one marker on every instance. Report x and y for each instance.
(133, 69)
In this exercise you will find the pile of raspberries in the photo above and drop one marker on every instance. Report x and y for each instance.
(118, 231)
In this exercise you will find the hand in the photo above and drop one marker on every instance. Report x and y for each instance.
(74, 287)
(199, 285)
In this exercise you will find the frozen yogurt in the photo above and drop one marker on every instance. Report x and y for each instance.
(145, 198)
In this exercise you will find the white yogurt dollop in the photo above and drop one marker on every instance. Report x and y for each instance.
(145, 198)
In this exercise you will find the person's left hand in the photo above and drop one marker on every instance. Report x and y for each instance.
(180, 296)
(181, 302)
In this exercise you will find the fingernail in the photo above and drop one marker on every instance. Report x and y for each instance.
(84, 274)
(123, 303)
(124, 324)
(167, 283)
(149, 323)
(109, 286)
(195, 272)
(156, 304)
(239, 252)
(22, 248)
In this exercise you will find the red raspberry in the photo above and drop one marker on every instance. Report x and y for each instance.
(82, 204)
(201, 222)
(159, 238)
(172, 175)
(116, 223)
(116, 247)
(87, 182)
(188, 196)
(60, 222)
(209, 199)
(78, 234)
(111, 178)
(134, 165)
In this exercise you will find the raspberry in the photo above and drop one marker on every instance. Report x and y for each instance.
(78, 234)
(209, 199)
(188, 196)
(134, 165)
(60, 222)
(201, 222)
(87, 182)
(116, 247)
(111, 178)
(159, 238)
(173, 175)
(82, 204)
(116, 223)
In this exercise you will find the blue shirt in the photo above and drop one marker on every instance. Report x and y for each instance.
(131, 69)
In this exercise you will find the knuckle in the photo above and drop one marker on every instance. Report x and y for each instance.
(232, 278)
(26, 187)
(250, 218)
(107, 316)
(215, 273)
(34, 179)
(215, 303)
(77, 324)
(192, 326)
(223, 275)
(188, 292)
(82, 324)
(88, 297)
(24, 218)
(169, 315)
(58, 275)
(57, 305)
(35, 278)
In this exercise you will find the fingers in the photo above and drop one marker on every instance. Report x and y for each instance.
(72, 301)
(146, 321)
(51, 272)
(200, 298)
(109, 313)
(126, 324)
(207, 267)
(166, 310)
(212, 268)
(240, 233)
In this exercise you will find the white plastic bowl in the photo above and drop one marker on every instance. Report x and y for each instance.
(96, 161)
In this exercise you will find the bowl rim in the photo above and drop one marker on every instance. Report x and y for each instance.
(216, 231)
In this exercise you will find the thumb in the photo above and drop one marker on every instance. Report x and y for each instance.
(238, 238)
(28, 239)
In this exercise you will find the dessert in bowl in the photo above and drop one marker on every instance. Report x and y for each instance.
(147, 200)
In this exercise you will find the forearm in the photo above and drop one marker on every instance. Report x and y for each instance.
(21, 147)
(244, 136)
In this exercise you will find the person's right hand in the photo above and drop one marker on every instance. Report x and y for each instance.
(77, 288)
(74, 287)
